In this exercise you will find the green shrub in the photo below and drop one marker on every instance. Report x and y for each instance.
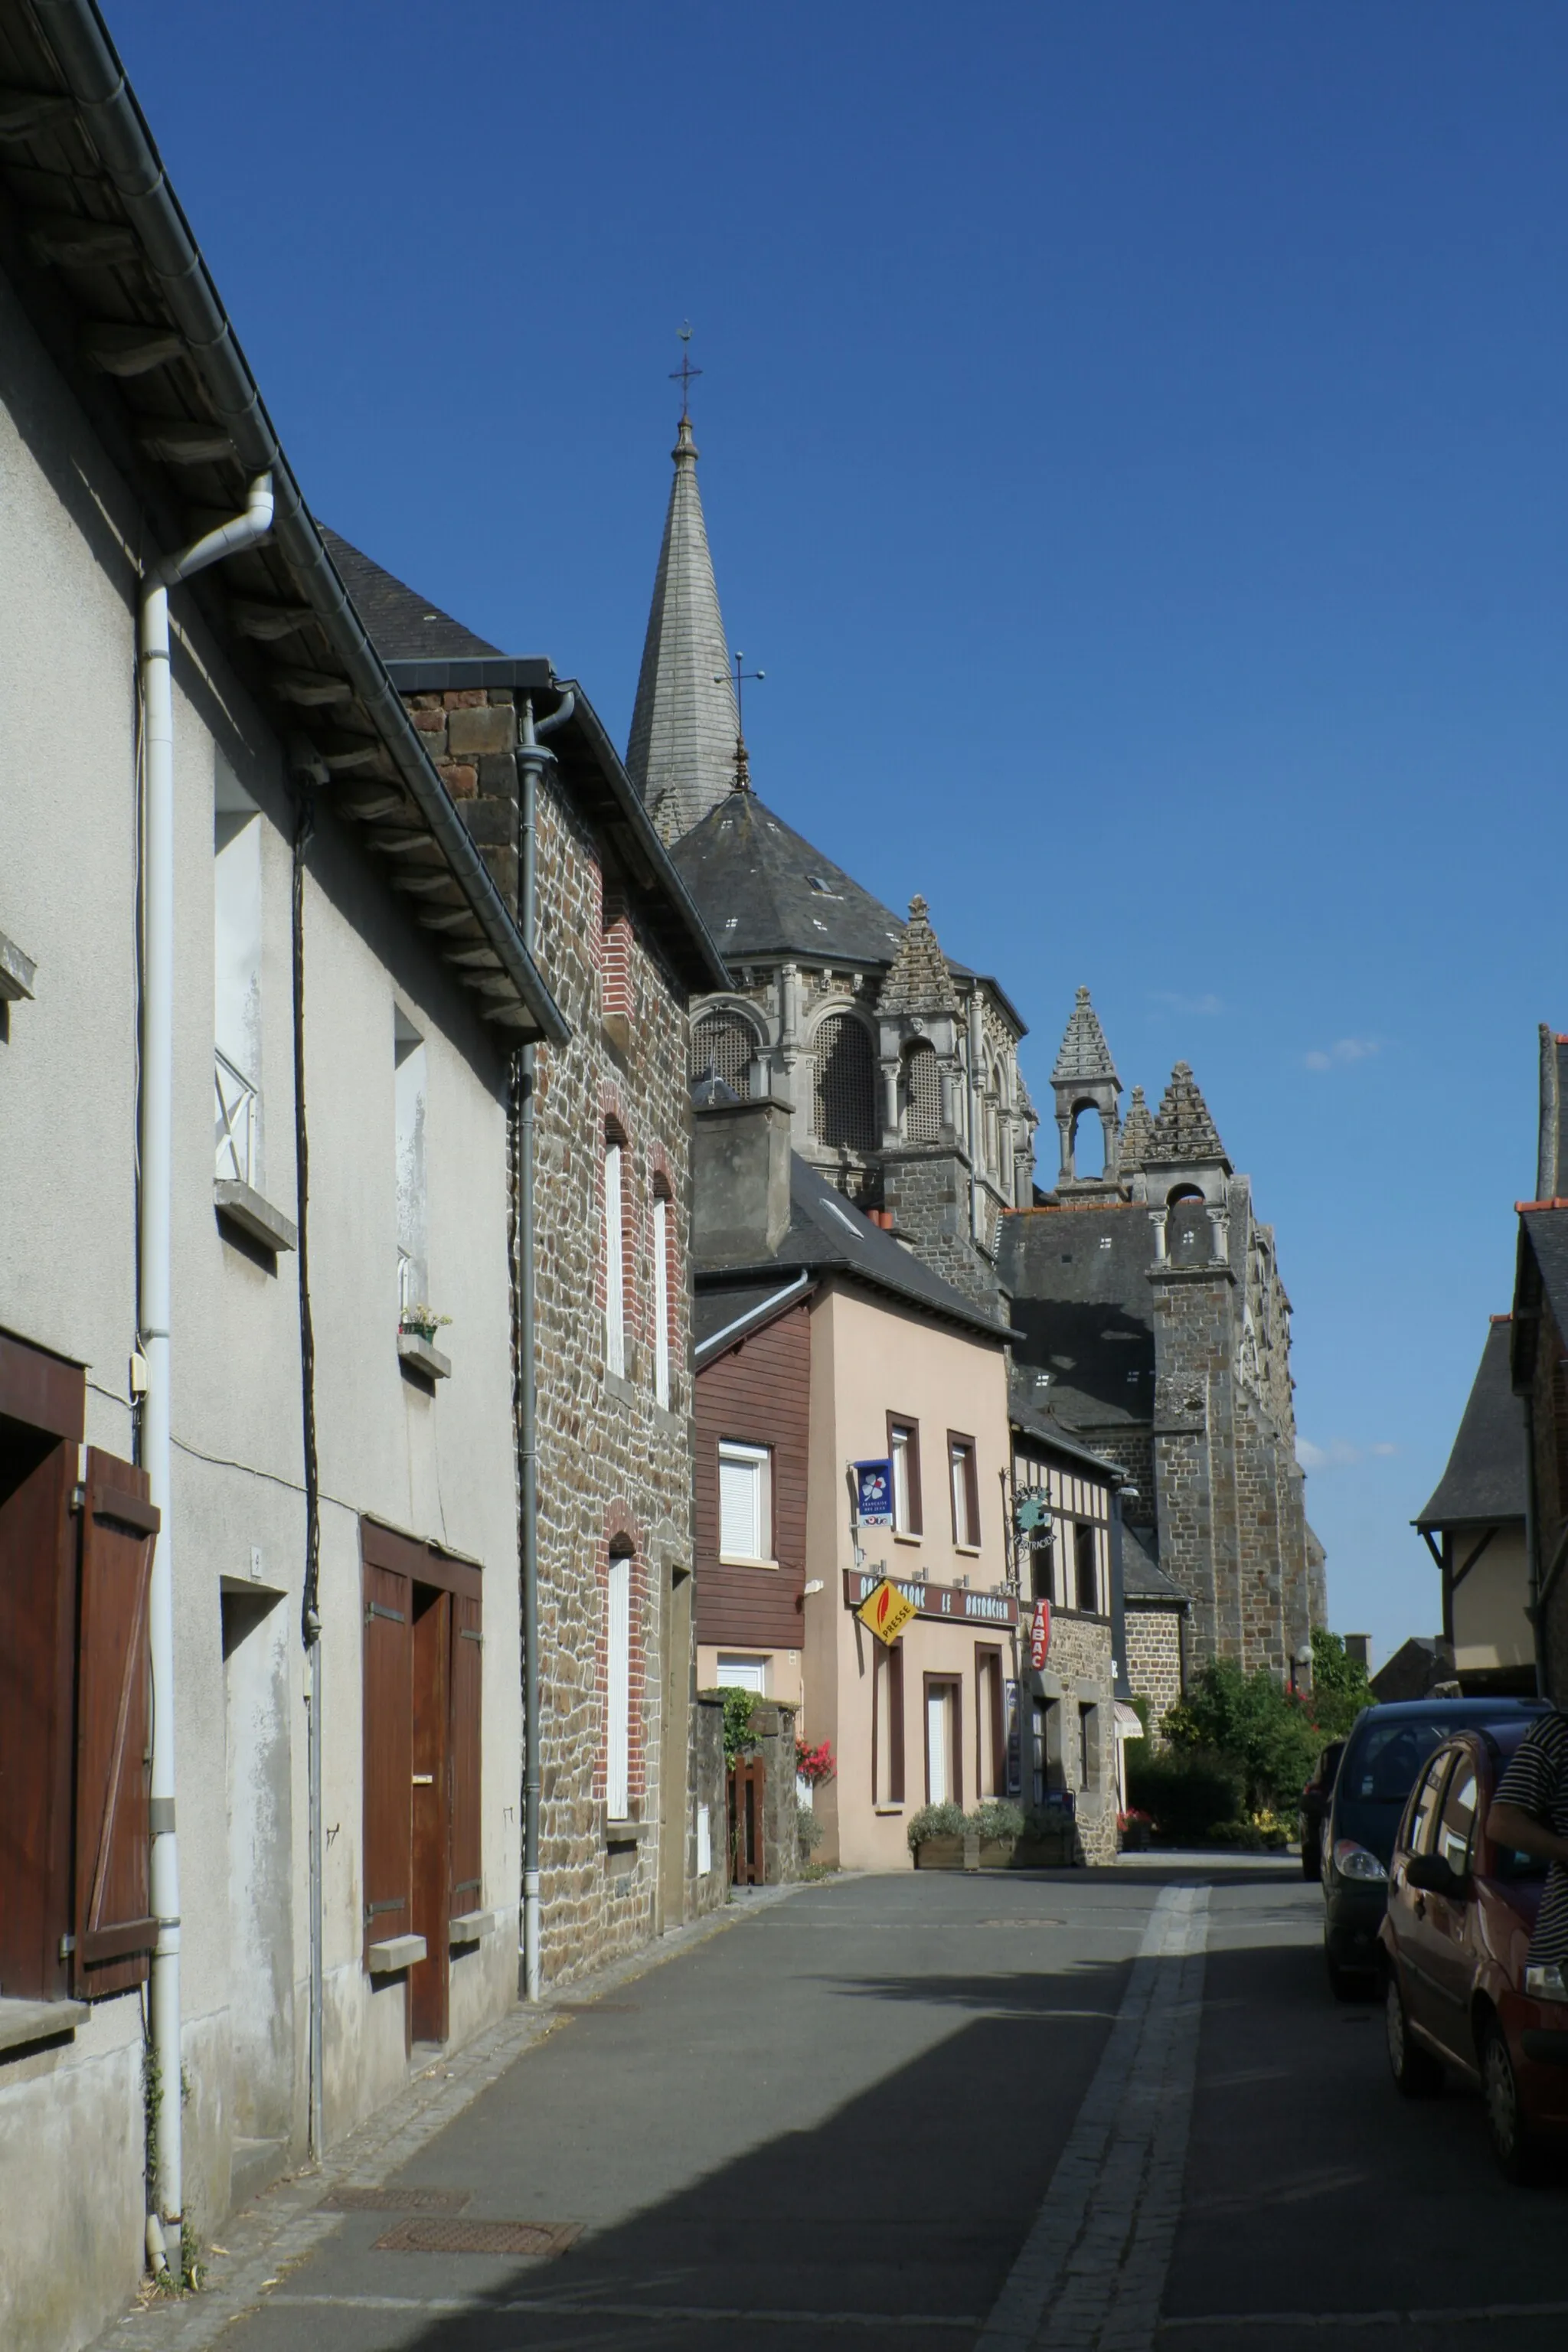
(738, 1706)
(1340, 1685)
(1187, 1791)
(1255, 1723)
(999, 1820)
(808, 1829)
(934, 1822)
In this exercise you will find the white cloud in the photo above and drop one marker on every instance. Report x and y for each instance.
(1176, 1003)
(1339, 1454)
(1342, 1050)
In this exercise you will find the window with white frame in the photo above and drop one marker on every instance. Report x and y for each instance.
(409, 1080)
(965, 1491)
(661, 1299)
(236, 979)
(745, 1673)
(618, 1688)
(904, 1451)
(614, 1265)
(745, 1501)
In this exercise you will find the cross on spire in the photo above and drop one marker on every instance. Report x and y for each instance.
(683, 375)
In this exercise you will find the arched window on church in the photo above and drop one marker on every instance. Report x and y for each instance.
(1088, 1141)
(844, 1098)
(722, 1046)
(919, 1093)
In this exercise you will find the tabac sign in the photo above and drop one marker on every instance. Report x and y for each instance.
(886, 1612)
(955, 1602)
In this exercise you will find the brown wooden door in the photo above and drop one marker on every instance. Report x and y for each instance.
(388, 1757)
(38, 1658)
(115, 1930)
(432, 1802)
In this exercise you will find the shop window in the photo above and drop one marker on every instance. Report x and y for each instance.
(965, 1479)
(904, 1453)
(619, 1687)
(76, 1534)
(1086, 1569)
(745, 1501)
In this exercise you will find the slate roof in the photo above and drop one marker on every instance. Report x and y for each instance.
(919, 980)
(1034, 1421)
(1485, 1479)
(1144, 1583)
(762, 889)
(1084, 1055)
(405, 625)
(1184, 1130)
(1137, 1134)
(716, 1312)
(680, 753)
(1086, 1313)
(828, 1234)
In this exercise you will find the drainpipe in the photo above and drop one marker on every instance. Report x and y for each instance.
(157, 1139)
(532, 759)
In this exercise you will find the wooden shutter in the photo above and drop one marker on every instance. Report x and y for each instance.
(37, 1677)
(896, 1723)
(464, 1753)
(388, 1756)
(115, 1930)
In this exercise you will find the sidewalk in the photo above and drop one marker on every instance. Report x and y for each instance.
(277, 2231)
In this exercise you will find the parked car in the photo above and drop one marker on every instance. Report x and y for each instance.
(1312, 1811)
(1455, 1937)
(1384, 1757)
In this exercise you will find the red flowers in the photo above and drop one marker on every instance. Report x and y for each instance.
(814, 1765)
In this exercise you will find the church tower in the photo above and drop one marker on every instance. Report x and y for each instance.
(681, 752)
(1085, 1084)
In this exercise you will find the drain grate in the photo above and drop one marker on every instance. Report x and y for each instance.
(478, 2238)
(395, 2200)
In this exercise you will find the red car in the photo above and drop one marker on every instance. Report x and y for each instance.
(1455, 1937)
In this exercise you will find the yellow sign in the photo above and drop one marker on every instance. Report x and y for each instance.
(887, 1611)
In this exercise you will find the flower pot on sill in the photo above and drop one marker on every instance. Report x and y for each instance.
(425, 1331)
(940, 1853)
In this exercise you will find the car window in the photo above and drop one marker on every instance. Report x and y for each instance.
(1329, 1763)
(1424, 1804)
(1456, 1826)
(1388, 1756)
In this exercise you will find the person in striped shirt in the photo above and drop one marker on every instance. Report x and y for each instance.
(1529, 1813)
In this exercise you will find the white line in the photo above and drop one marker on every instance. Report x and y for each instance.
(1092, 2269)
(578, 2308)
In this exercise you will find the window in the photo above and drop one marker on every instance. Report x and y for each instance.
(1457, 1828)
(904, 1453)
(1042, 1565)
(408, 1090)
(990, 1724)
(618, 1688)
(1086, 1569)
(661, 1240)
(76, 1725)
(615, 1263)
(844, 1096)
(1086, 1745)
(1425, 1802)
(745, 1502)
(422, 1657)
(965, 1483)
(919, 1091)
(745, 1673)
(236, 979)
(723, 1047)
(888, 1725)
(944, 1771)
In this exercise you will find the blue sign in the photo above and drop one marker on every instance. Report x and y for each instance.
(874, 1493)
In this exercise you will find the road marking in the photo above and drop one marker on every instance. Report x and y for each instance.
(1461, 2315)
(560, 2306)
(1092, 2269)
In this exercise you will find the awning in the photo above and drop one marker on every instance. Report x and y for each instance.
(1129, 1722)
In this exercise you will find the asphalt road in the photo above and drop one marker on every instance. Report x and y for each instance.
(1113, 2110)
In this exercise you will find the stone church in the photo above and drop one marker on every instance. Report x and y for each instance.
(1155, 1328)
(901, 1067)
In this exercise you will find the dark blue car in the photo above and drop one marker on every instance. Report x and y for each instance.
(1386, 1748)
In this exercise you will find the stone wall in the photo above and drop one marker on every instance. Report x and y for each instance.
(1078, 1673)
(929, 1192)
(1155, 1659)
(614, 1469)
(710, 1887)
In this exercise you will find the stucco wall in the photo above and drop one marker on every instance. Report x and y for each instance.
(1490, 1628)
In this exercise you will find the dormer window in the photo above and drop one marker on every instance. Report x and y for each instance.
(822, 888)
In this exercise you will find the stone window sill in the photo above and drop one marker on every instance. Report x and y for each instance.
(25, 2022)
(472, 1927)
(913, 1536)
(627, 1832)
(422, 1356)
(968, 1552)
(617, 1385)
(888, 1812)
(385, 1958)
(243, 1207)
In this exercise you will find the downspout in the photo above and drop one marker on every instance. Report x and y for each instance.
(155, 1316)
(532, 759)
(1124, 1688)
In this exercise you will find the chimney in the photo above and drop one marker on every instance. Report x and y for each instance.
(1358, 1649)
(740, 1179)
(1552, 1164)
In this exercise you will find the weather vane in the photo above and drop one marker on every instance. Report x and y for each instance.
(683, 375)
(738, 675)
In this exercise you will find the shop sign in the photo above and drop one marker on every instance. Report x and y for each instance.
(1040, 1634)
(955, 1602)
(874, 1493)
(886, 1612)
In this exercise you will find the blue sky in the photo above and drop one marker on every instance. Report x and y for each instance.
(1132, 445)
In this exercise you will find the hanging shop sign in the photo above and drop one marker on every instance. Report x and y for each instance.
(874, 1493)
(886, 1612)
(955, 1602)
(1040, 1634)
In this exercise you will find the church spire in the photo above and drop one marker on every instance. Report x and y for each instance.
(682, 754)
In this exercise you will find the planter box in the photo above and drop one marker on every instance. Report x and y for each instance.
(1135, 1838)
(1043, 1853)
(940, 1853)
(997, 1853)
